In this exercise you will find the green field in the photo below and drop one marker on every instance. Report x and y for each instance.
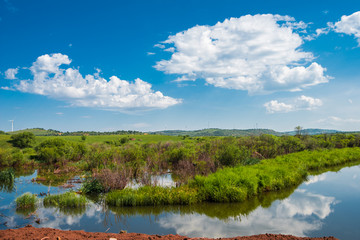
(97, 138)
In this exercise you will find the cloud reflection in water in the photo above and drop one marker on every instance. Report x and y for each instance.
(300, 213)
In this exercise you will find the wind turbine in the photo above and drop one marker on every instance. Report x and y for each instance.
(12, 125)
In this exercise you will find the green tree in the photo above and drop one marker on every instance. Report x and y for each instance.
(83, 137)
(22, 140)
(298, 130)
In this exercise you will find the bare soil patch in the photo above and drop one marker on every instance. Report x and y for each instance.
(30, 232)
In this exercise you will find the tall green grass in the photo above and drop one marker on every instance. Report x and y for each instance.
(68, 199)
(27, 200)
(152, 196)
(239, 183)
(7, 179)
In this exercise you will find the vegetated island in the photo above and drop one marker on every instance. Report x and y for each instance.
(205, 169)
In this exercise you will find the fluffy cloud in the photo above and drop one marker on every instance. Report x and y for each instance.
(300, 103)
(275, 106)
(92, 90)
(11, 73)
(260, 53)
(349, 25)
(337, 120)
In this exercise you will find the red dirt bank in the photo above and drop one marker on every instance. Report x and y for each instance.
(30, 232)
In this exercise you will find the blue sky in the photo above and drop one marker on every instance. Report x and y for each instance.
(155, 65)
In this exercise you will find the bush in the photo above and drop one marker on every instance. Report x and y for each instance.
(58, 150)
(12, 157)
(113, 180)
(232, 155)
(22, 140)
(92, 186)
(27, 200)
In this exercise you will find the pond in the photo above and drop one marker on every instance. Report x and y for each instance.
(324, 205)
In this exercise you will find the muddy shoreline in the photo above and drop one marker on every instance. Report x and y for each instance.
(30, 232)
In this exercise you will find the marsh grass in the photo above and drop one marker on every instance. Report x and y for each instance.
(152, 196)
(27, 200)
(7, 179)
(237, 184)
(242, 182)
(65, 200)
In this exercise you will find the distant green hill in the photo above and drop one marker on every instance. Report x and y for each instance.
(38, 132)
(193, 133)
(245, 132)
(51, 132)
(313, 131)
(218, 132)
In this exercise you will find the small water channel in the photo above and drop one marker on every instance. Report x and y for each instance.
(325, 205)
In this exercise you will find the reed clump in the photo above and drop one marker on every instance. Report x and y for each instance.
(152, 196)
(68, 199)
(7, 179)
(27, 200)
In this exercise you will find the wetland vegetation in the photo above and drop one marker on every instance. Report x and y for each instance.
(204, 169)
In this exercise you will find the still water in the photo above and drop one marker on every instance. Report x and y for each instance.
(324, 205)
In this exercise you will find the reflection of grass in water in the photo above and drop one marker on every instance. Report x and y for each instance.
(24, 172)
(222, 211)
(48, 177)
(69, 211)
(25, 211)
(7, 179)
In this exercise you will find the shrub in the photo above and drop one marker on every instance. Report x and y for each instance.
(11, 157)
(113, 180)
(92, 186)
(232, 155)
(58, 150)
(22, 140)
(179, 154)
(83, 137)
(27, 200)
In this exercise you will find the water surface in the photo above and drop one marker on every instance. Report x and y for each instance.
(325, 205)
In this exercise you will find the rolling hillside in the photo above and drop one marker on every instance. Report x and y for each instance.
(193, 133)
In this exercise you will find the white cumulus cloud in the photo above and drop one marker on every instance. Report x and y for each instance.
(275, 106)
(333, 120)
(69, 84)
(349, 25)
(300, 103)
(11, 73)
(260, 53)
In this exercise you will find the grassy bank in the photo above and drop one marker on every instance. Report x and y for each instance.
(236, 184)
